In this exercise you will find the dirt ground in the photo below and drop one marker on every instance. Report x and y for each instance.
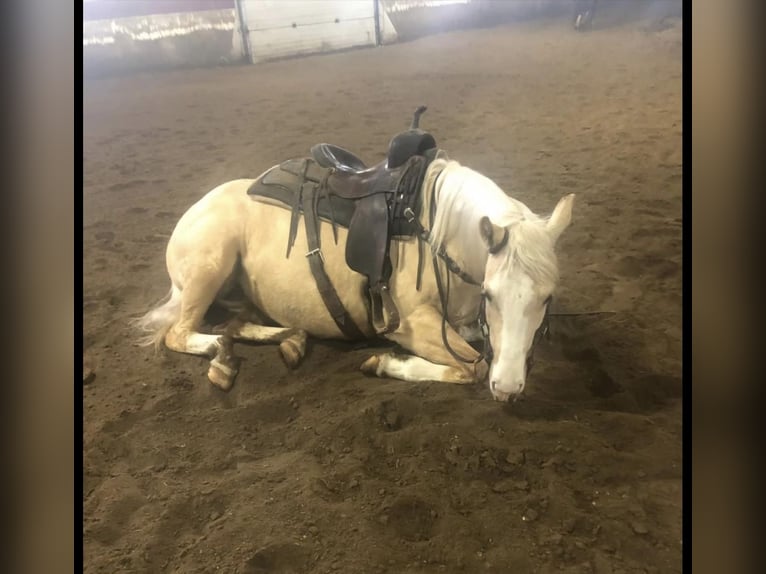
(325, 470)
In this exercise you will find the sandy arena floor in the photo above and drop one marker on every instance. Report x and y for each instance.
(325, 470)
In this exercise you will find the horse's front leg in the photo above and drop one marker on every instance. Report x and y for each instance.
(420, 333)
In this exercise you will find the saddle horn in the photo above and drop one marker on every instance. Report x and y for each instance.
(416, 117)
(412, 142)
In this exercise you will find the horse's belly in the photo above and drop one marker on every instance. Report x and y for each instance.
(284, 288)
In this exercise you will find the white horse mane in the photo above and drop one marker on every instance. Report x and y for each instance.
(463, 197)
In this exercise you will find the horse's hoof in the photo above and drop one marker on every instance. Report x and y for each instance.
(221, 375)
(290, 353)
(371, 366)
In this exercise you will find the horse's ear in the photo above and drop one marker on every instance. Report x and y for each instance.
(561, 217)
(490, 233)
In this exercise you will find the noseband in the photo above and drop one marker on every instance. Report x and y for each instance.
(542, 331)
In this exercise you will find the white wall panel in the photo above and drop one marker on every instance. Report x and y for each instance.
(291, 27)
(388, 33)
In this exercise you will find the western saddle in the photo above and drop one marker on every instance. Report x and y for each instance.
(335, 185)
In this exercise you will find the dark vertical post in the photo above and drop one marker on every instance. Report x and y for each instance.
(378, 39)
(243, 31)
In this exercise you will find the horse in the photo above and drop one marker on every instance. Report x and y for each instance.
(494, 272)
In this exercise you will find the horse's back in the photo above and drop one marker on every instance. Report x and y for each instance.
(223, 205)
(224, 195)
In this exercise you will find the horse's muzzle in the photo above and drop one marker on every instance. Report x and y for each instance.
(507, 394)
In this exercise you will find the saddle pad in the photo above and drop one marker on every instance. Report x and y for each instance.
(283, 183)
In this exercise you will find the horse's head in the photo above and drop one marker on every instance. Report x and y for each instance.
(519, 279)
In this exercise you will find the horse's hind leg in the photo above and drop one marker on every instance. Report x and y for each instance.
(184, 336)
(292, 342)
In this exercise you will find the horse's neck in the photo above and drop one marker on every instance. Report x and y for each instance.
(462, 216)
(470, 255)
(464, 299)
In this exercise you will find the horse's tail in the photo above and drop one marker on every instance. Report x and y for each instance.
(156, 323)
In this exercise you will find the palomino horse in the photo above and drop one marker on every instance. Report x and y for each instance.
(495, 256)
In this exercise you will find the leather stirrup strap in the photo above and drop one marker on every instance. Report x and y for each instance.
(296, 211)
(385, 315)
(316, 263)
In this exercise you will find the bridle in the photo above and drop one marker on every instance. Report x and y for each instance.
(452, 266)
(542, 331)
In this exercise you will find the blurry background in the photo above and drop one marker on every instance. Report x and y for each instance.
(121, 35)
(725, 84)
(321, 469)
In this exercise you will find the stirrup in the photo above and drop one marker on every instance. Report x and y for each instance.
(385, 315)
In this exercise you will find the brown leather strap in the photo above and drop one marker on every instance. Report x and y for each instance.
(316, 262)
(385, 315)
(296, 212)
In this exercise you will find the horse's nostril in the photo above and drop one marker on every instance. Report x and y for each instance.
(492, 385)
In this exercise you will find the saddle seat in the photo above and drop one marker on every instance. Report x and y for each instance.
(401, 148)
(329, 155)
(349, 177)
